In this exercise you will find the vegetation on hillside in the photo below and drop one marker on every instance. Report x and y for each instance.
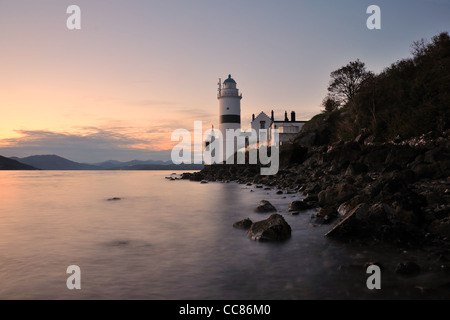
(409, 98)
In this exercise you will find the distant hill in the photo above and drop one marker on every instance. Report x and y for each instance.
(11, 164)
(54, 162)
(160, 167)
(111, 164)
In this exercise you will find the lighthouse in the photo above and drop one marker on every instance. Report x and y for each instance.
(229, 110)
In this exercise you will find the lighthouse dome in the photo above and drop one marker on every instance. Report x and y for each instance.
(229, 80)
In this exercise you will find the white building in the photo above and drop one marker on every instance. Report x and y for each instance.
(262, 121)
(287, 128)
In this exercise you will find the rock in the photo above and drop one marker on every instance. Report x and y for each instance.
(425, 171)
(407, 207)
(279, 192)
(265, 206)
(409, 268)
(349, 224)
(441, 227)
(378, 214)
(274, 228)
(203, 181)
(295, 213)
(114, 199)
(243, 224)
(326, 215)
(397, 139)
(356, 168)
(336, 194)
(343, 209)
(298, 206)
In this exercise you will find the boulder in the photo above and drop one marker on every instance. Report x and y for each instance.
(350, 223)
(274, 228)
(336, 194)
(114, 199)
(265, 206)
(298, 205)
(441, 227)
(243, 224)
(355, 168)
(326, 215)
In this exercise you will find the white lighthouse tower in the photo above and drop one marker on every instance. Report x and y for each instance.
(229, 110)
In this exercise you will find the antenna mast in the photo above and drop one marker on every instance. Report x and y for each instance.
(220, 86)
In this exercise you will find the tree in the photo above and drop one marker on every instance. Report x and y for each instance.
(347, 81)
(329, 104)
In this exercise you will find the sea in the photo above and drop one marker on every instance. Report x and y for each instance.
(166, 239)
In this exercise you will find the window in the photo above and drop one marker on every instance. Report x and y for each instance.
(262, 124)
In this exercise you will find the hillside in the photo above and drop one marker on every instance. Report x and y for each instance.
(409, 98)
(11, 164)
(118, 165)
(160, 167)
(54, 162)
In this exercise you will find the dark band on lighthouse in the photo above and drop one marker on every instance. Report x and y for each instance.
(230, 118)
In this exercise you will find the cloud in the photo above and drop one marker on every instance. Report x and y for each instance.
(90, 144)
(198, 114)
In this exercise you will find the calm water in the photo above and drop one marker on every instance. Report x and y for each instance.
(175, 240)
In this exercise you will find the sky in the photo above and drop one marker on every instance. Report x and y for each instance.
(137, 70)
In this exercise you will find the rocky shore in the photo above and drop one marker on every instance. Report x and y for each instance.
(394, 192)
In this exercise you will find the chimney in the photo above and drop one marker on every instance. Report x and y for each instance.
(293, 116)
(253, 117)
(285, 117)
(271, 116)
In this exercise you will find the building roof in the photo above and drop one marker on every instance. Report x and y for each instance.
(262, 113)
(230, 79)
(282, 121)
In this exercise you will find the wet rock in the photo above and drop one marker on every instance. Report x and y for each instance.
(349, 225)
(114, 199)
(243, 224)
(203, 181)
(326, 215)
(265, 206)
(279, 192)
(274, 228)
(298, 205)
(409, 268)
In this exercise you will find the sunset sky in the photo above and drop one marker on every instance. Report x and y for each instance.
(137, 70)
